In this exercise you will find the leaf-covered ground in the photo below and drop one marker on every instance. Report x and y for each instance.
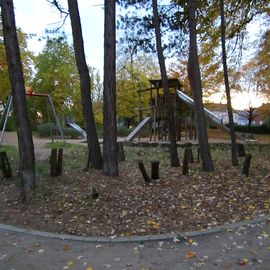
(127, 206)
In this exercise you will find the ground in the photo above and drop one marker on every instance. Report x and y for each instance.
(246, 247)
(127, 206)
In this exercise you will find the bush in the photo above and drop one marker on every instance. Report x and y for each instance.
(123, 131)
(45, 129)
(11, 124)
(263, 129)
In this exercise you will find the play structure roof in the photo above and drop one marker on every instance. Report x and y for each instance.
(171, 82)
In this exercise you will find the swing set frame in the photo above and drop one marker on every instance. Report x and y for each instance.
(30, 93)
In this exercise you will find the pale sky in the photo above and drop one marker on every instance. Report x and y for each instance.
(34, 16)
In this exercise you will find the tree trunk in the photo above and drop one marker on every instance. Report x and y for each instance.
(196, 87)
(164, 78)
(227, 85)
(25, 140)
(94, 152)
(110, 162)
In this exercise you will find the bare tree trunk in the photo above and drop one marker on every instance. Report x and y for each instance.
(94, 154)
(196, 87)
(110, 162)
(164, 78)
(227, 85)
(25, 140)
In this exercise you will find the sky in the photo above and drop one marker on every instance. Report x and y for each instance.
(34, 16)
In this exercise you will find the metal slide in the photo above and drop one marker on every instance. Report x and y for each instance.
(77, 128)
(208, 114)
(138, 128)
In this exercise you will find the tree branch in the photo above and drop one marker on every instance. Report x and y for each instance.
(62, 11)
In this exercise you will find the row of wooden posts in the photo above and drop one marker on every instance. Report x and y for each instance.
(56, 162)
(189, 158)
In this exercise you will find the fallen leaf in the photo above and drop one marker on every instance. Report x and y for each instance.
(190, 254)
(66, 247)
(190, 241)
(70, 264)
(244, 261)
(79, 257)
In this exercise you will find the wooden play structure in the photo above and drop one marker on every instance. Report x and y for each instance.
(154, 115)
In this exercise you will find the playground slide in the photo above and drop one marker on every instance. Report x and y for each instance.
(138, 128)
(77, 128)
(208, 114)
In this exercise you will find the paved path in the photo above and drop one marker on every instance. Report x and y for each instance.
(246, 247)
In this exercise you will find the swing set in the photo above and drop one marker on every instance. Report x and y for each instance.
(30, 93)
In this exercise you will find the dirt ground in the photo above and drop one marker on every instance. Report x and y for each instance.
(127, 205)
(41, 152)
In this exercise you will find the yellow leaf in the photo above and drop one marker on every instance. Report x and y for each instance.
(89, 268)
(244, 261)
(190, 254)
(70, 263)
(153, 224)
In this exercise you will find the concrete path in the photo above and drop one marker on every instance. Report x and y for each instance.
(245, 247)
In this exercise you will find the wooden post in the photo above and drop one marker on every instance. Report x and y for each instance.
(56, 161)
(247, 164)
(155, 169)
(95, 194)
(53, 162)
(143, 171)
(4, 165)
(60, 162)
(185, 161)
(240, 150)
(120, 152)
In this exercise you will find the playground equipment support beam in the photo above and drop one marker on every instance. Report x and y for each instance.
(5, 116)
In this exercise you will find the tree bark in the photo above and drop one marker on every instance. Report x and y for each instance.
(25, 140)
(164, 78)
(110, 162)
(94, 152)
(227, 85)
(196, 87)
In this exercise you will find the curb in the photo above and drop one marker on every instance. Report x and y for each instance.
(160, 237)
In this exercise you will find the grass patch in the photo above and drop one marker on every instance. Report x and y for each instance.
(61, 144)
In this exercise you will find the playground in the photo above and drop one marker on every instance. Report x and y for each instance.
(88, 203)
(126, 205)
